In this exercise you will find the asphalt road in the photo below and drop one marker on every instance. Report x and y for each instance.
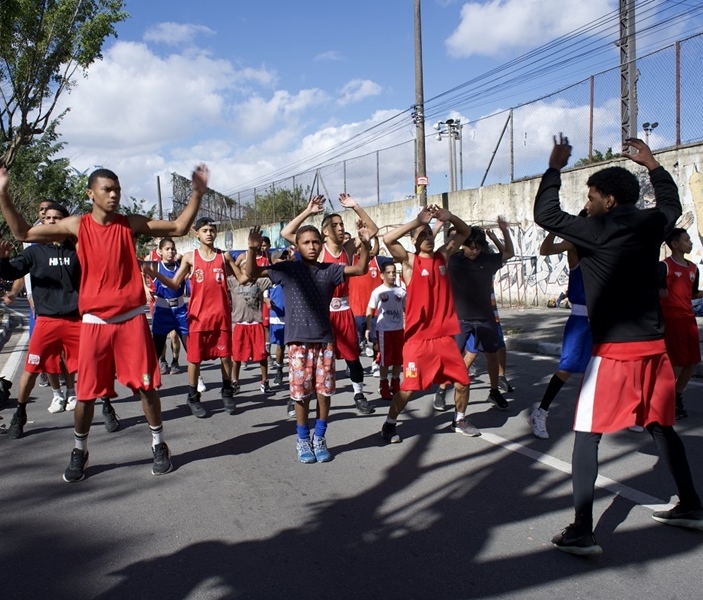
(438, 516)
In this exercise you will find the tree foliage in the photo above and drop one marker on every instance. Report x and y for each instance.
(597, 157)
(276, 205)
(43, 44)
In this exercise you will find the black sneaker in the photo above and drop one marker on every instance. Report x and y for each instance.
(680, 517)
(362, 404)
(680, 410)
(577, 540)
(16, 428)
(498, 400)
(110, 418)
(228, 400)
(196, 408)
(76, 468)
(266, 388)
(162, 459)
(278, 377)
(439, 402)
(163, 367)
(504, 384)
(389, 434)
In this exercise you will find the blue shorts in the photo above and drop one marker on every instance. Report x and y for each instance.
(165, 320)
(577, 346)
(276, 334)
(478, 336)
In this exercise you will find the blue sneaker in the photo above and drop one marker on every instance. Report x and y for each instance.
(305, 453)
(322, 454)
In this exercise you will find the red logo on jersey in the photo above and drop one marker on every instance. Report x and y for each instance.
(199, 275)
(219, 274)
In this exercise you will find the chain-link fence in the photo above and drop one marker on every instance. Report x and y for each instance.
(499, 148)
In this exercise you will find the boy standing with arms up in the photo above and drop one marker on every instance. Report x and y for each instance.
(430, 354)
(115, 338)
(335, 250)
(308, 287)
(629, 380)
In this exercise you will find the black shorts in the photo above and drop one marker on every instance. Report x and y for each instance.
(478, 335)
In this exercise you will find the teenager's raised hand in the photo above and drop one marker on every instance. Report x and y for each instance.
(441, 214)
(5, 249)
(502, 223)
(643, 156)
(560, 153)
(425, 215)
(255, 237)
(347, 201)
(316, 204)
(201, 176)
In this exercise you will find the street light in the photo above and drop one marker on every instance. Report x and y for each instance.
(453, 129)
(648, 128)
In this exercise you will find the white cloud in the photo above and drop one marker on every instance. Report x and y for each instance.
(332, 55)
(176, 33)
(499, 26)
(358, 89)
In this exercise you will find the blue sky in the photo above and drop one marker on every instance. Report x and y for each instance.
(251, 87)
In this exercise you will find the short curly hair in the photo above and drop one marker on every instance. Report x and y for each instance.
(617, 182)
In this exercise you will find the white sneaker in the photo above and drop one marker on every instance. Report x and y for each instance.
(58, 404)
(71, 403)
(538, 422)
(375, 370)
(201, 385)
(636, 428)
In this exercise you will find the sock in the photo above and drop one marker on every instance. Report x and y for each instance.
(192, 390)
(395, 384)
(320, 428)
(70, 392)
(358, 387)
(459, 416)
(390, 421)
(81, 441)
(21, 410)
(57, 391)
(279, 365)
(555, 384)
(107, 405)
(157, 435)
(303, 432)
(226, 384)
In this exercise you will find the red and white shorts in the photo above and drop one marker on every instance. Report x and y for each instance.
(390, 347)
(248, 342)
(51, 337)
(346, 341)
(311, 370)
(625, 384)
(124, 350)
(436, 360)
(682, 343)
(209, 345)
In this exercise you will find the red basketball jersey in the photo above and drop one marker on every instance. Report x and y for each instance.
(209, 308)
(342, 290)
(111, 281)
(360, 288)
(429, 304)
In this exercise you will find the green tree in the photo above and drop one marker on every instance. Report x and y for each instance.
(597, 157)
(143, 243)
(43, 45)
(276, 205)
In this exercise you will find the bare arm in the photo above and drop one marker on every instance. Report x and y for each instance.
(184, 221)
(314, 207)
(178, 279)
(251, 270)
(235, 269)
(462, 230)
(363, 265)
(348, 202)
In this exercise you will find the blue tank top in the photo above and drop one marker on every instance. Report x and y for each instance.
(576, 292)
(161, 290)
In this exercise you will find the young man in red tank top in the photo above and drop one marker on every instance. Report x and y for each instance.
(430, 354)
(335, 250)
(111, 302)
(209, 312)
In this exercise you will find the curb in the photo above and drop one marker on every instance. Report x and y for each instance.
(532, 346)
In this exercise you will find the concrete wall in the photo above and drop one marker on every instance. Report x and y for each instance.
(529, 278)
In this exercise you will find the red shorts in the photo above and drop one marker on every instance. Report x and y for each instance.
(51, 336)
(346, 342)
(436, 360)
(682, 343)
(390, 347)
(265, 315)
(311, 370)
(617, 393)
(124, 350)
(248, 342)
(208, 345)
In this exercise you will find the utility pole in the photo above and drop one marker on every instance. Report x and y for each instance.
(628, 71)
(419, 115)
